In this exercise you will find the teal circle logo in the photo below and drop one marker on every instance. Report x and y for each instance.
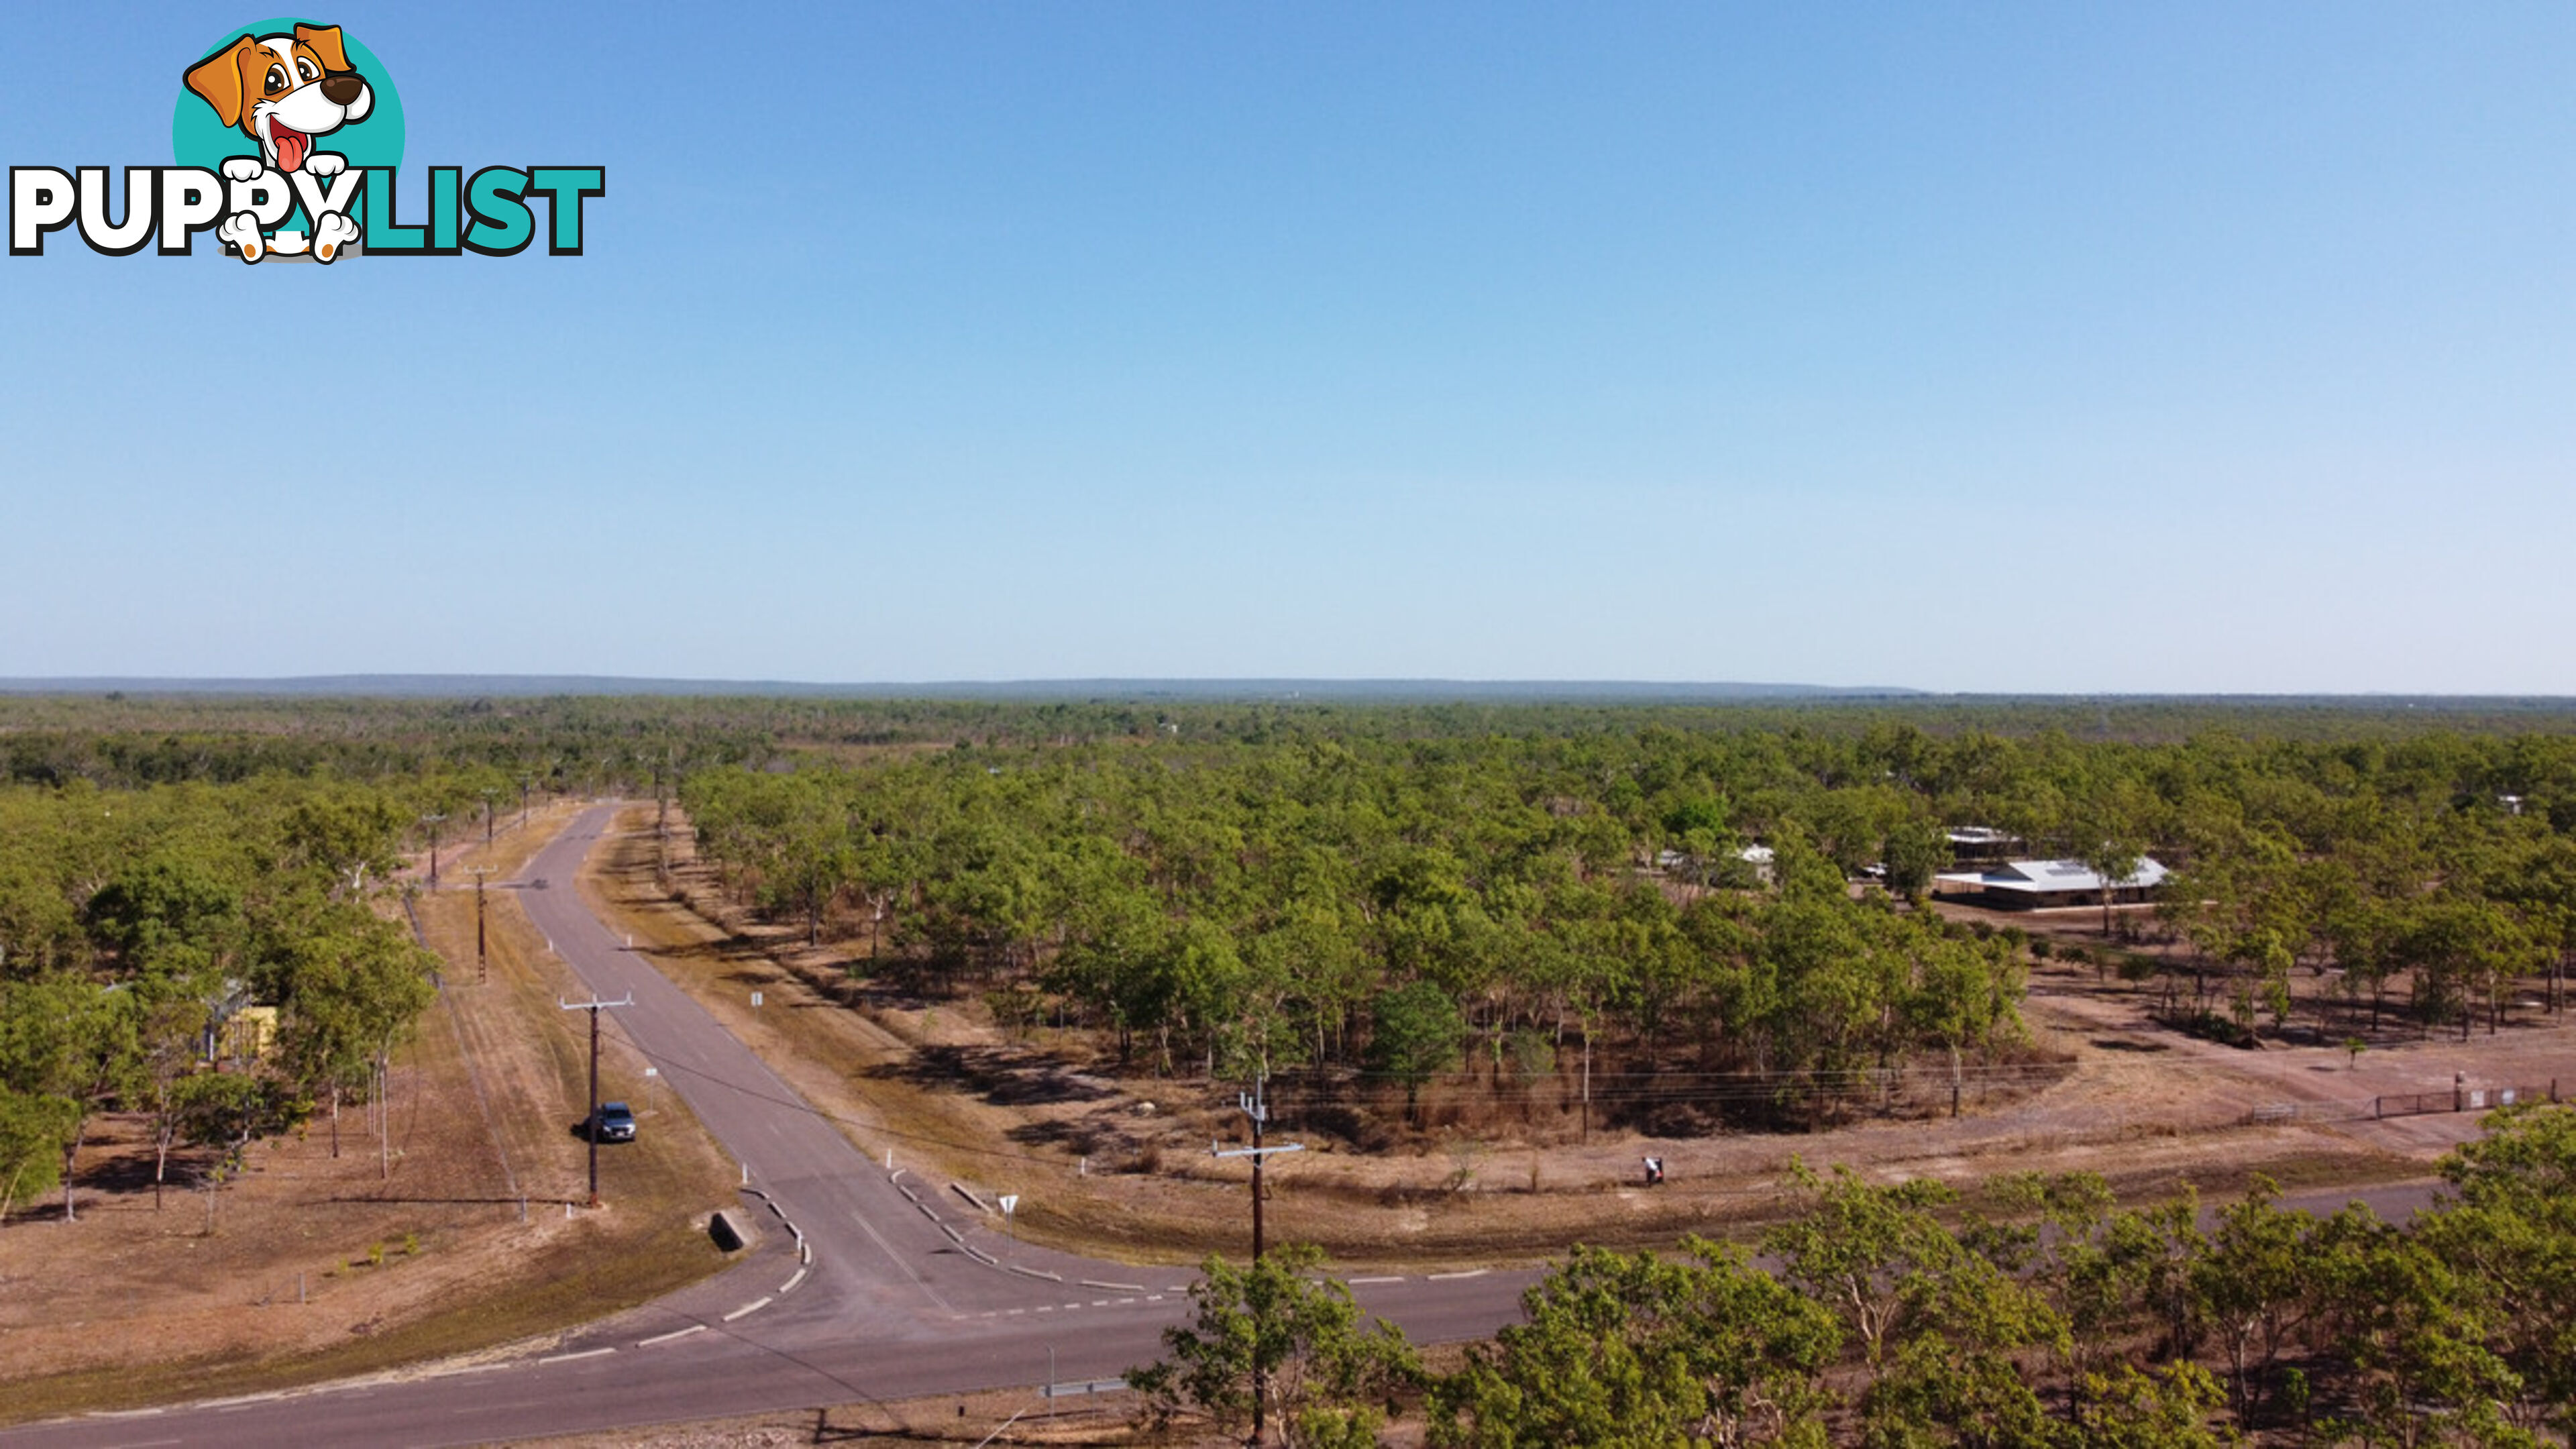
(242, 94)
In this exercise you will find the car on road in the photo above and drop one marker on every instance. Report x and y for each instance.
(616, 1122)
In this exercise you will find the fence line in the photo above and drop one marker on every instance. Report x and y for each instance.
(2461, 1098)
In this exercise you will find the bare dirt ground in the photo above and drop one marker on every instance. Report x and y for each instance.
(1120, 1166)
(404, 1246)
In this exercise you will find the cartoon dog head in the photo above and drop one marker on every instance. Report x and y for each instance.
(284, 90)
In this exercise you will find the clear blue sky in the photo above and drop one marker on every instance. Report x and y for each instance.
(1984, 347)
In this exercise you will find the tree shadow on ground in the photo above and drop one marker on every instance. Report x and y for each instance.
(1003, 1076)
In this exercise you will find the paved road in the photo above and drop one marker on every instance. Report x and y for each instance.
(867, 1286)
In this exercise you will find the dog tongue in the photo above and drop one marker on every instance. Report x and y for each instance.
(291, 146)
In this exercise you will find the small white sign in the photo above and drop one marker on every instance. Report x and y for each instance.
(1010, 1202)
(755, 998)
(652, 1071)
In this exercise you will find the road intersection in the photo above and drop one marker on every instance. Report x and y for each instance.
(869, 1285)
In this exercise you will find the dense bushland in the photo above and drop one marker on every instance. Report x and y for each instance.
(1525, 905)
(137, 925)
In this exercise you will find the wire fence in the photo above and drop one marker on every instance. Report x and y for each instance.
(2460, 1098)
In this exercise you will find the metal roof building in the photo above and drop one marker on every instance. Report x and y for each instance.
(2027, 883)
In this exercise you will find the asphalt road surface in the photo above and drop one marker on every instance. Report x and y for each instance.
(867, 1285)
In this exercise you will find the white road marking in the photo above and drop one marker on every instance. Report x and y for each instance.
(243, 1401)
(1356, 1282)
(754, 1306)
(790, 1285)
(674, 1333)
(1449, 1277)
(585, 1353)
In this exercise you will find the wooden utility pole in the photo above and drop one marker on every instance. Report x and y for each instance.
(594, 1006)
(1258, 1110)
(482, 963)
(433, 822)
(661, 829)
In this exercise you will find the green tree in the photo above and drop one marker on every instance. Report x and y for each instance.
(1917, 851)
(1626, 1351)
(1280, 1330)
(2507, 1234)
(1414, 1033)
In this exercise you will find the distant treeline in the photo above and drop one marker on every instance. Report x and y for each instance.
(591, 742)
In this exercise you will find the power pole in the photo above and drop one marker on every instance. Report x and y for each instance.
(661, 828)
(482, 963)
(1258, 1109)
(594, 1006)
(487, 819)
(433, 821)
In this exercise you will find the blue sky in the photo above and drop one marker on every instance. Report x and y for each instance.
(1977, 347)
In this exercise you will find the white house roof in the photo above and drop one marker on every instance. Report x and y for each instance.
(1980, 835)
(2053, 877)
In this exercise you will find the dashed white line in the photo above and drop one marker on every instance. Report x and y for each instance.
(585, 1353)
(1356, 1282)
(753, 1306)
(667, 1337)
(1449, 1277)
(790, 1285)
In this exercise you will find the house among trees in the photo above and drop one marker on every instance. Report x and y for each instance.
(1759, 859)
(2021, 885)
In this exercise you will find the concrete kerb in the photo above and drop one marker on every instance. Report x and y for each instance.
(1037, 1273)
(1119, 1287)
(980, 1256)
